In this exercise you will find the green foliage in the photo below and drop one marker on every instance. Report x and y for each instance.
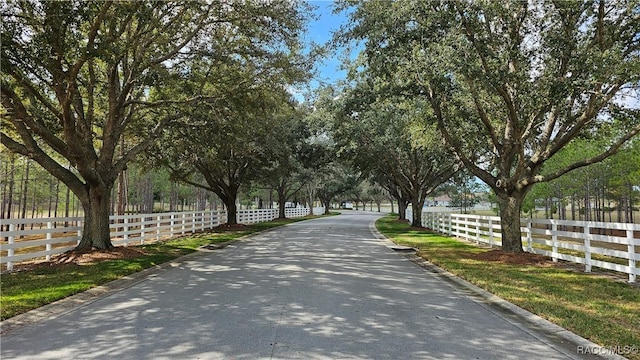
(509, 84)
(76, 82)
(496, 92)
(232, 137)
(392, 139)
(464, 191)
(335, 180)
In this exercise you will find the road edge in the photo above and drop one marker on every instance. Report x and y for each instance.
(495, 301)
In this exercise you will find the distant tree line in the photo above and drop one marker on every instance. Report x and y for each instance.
(607, 191)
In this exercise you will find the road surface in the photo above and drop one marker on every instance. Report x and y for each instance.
(320, 289)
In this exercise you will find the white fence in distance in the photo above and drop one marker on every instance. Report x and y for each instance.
(611, 246)
(29, 239)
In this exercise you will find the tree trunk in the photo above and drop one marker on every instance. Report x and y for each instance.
(12, 172)
(67, 206)
(326, 203)
(25, 189)
(232, 209)
(55, 206)
(4, 189)
(510, 223)
(630, 187)
(33, 206)
(547, 213)
(96, 233)
(50, 198)
(416, 212)
(122, 193)
(282, 200)
(402, 209)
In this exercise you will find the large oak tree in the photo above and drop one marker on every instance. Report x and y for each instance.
(395, 140)
(233, 139)
(76, 78)
(510, 83)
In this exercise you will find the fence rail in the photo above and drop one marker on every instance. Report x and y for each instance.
(611, 246)
(28, 239)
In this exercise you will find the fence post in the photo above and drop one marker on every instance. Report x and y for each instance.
(10, 252)
(183, 222)
(126, 231)
(529, 236)
(49, 237)
(477, 229)
(447, 224)
(490, 233)
(554, 242)
(158, 228)
(632, 255)
(587, 248)
(466, 228)
(143, 219)
(81, 225)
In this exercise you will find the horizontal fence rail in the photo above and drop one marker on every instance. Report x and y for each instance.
(611, 246)
(28, 239)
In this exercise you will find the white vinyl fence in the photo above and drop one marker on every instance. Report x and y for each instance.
(611, 246)
(40, 238)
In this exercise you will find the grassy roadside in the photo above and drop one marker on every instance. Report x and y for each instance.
(600, 309)
(27, 290)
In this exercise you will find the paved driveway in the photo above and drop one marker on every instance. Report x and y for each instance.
(320, 289)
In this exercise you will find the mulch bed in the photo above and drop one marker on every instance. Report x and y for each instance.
(513, 259)
(82, 257)
(91, 256)
(230, 227)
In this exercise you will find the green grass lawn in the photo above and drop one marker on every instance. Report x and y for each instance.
(598, 308)
(26, 290)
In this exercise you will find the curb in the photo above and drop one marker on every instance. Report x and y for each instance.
(63, 306)
(490, 299)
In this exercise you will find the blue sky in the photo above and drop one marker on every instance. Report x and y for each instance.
(321, 31)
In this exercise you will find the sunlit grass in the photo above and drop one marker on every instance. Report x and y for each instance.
(600, 309)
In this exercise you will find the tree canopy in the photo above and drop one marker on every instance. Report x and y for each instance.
(510, 84)
(85, 82)
(395, 140)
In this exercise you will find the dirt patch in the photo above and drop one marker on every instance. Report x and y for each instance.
(230, 227)
(513, 259)
(419, 228)
(83, 257)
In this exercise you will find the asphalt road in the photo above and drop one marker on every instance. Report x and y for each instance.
(319, 289)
